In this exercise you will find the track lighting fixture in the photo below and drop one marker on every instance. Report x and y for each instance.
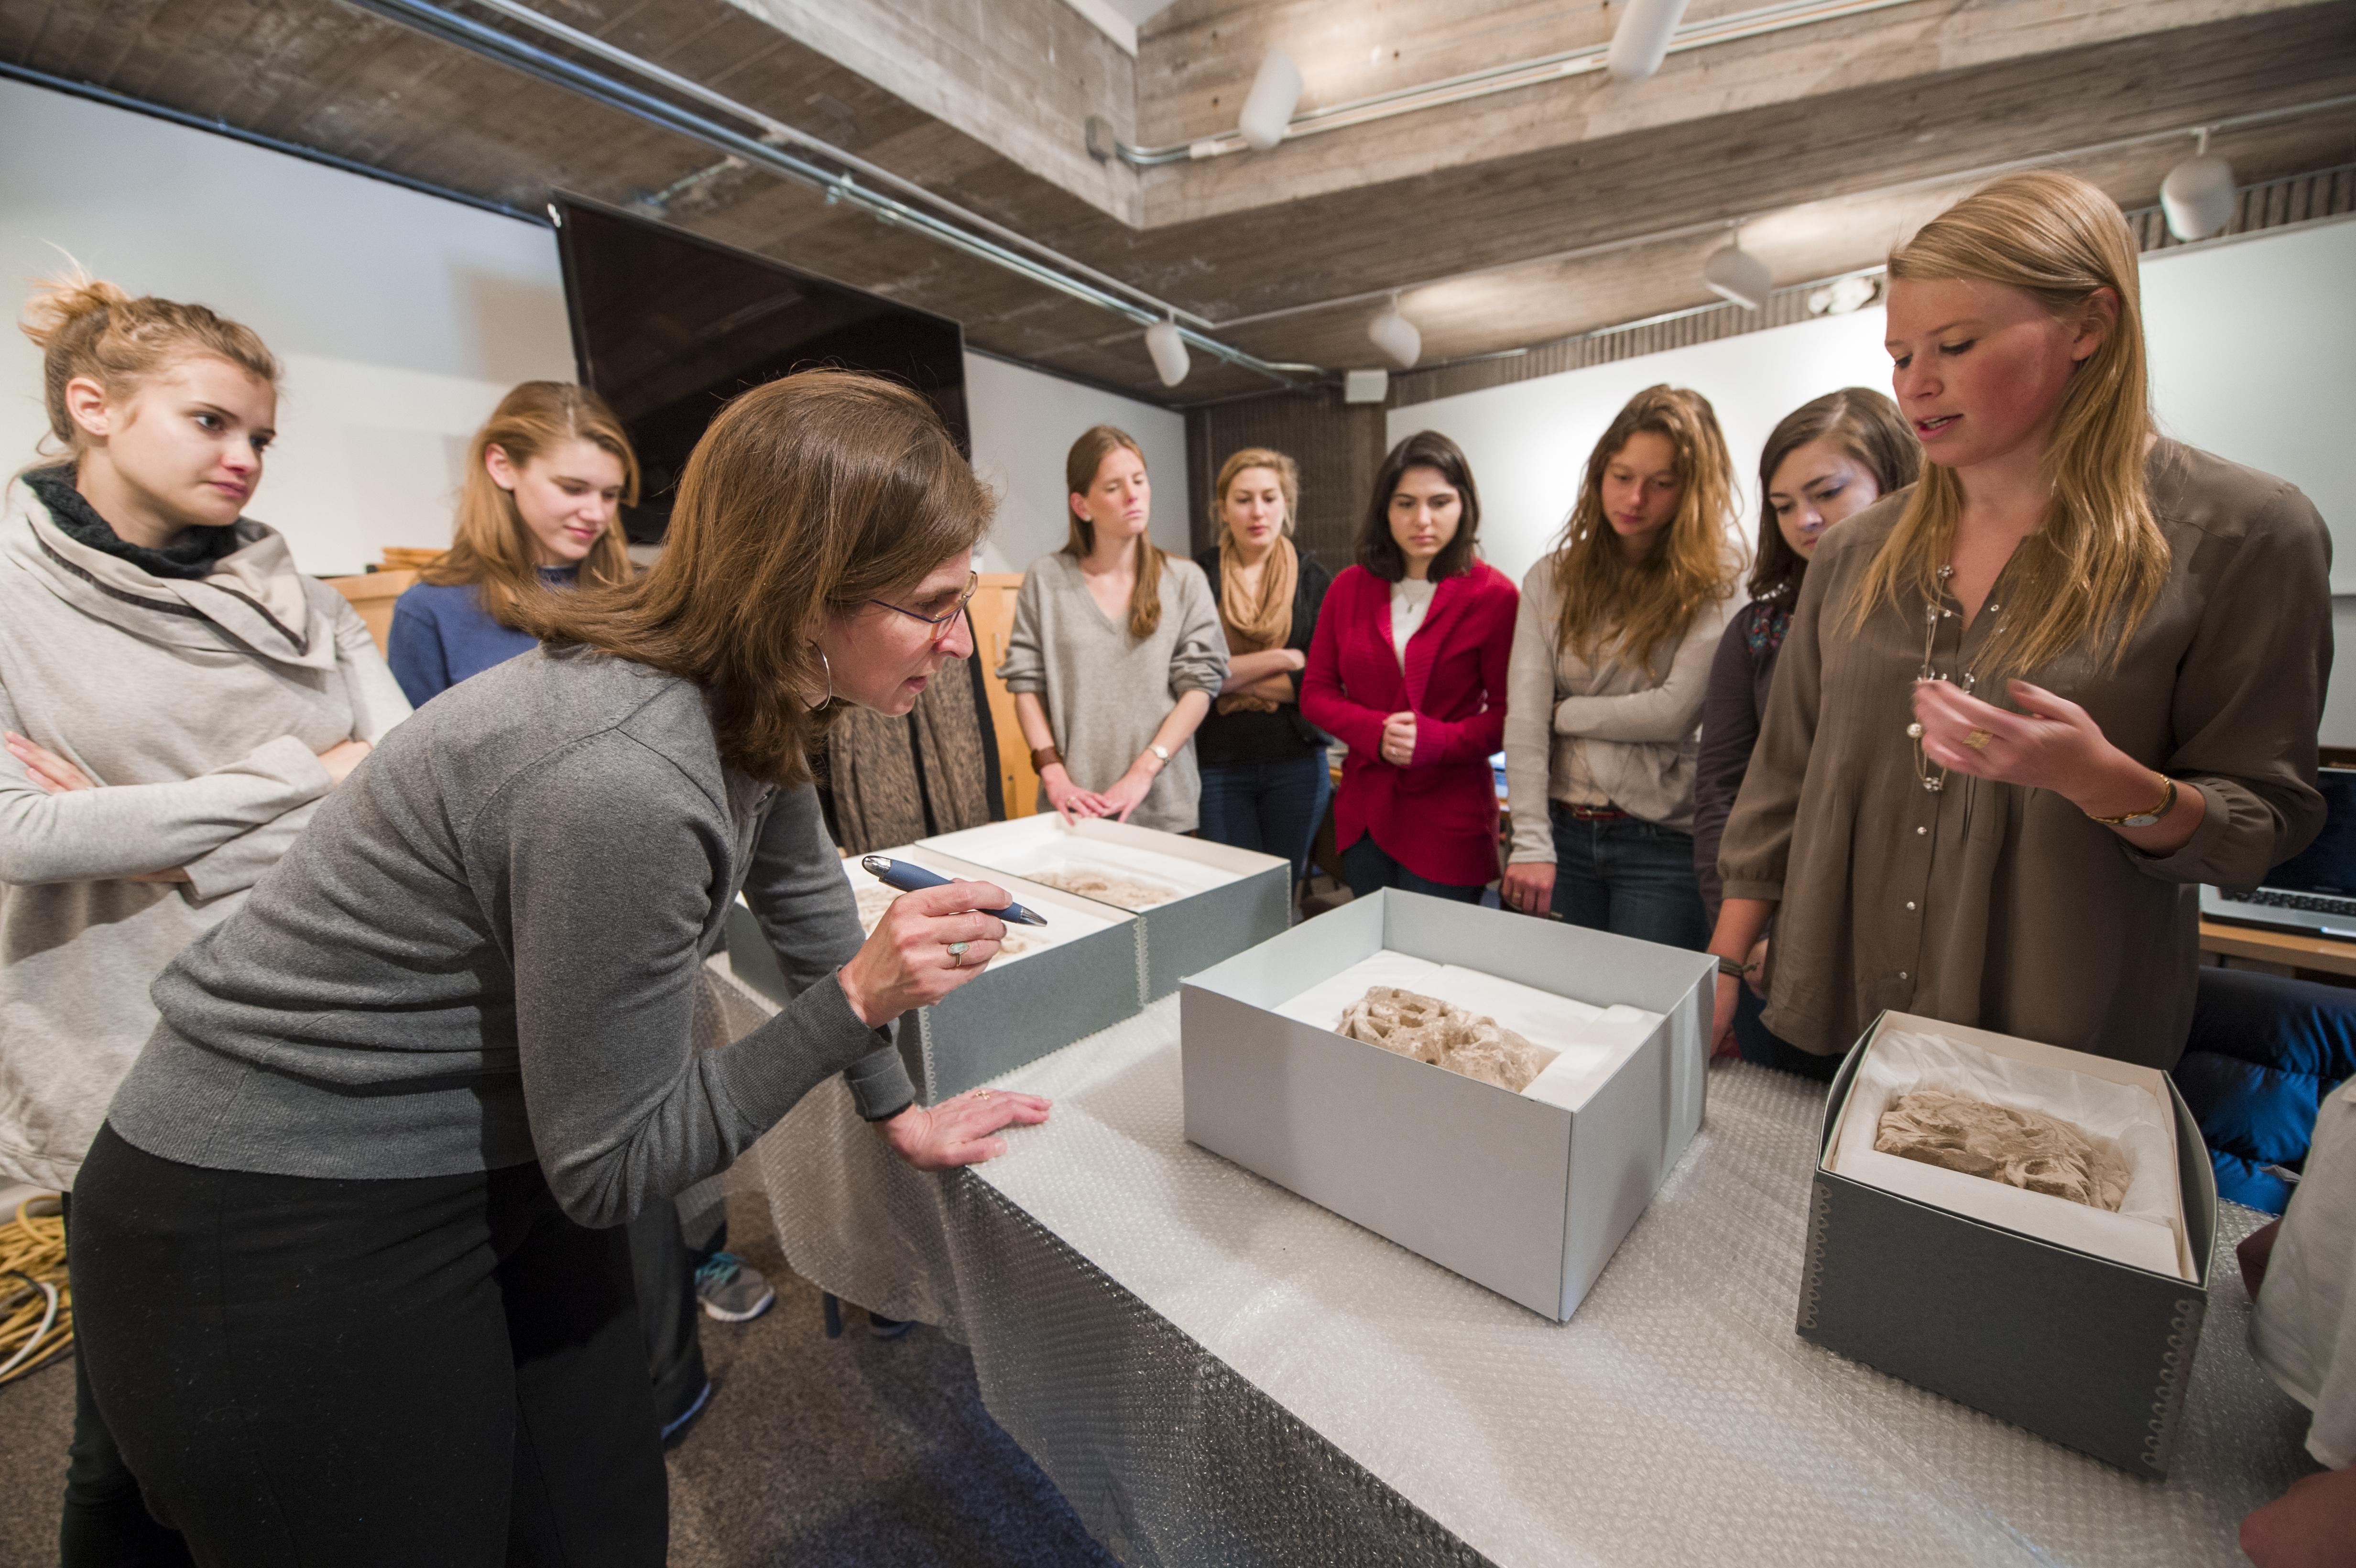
(1396, 335)
(1267, 108)
(1641, 41)
(2198, 196)
(1734, 273)
(1168, 347)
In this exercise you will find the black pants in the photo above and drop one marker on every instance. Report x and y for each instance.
(442, 1369)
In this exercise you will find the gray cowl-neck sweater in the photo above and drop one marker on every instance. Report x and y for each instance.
(198, 705)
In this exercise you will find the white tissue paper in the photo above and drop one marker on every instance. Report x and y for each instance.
(2148, 1231)
(1593, 1041)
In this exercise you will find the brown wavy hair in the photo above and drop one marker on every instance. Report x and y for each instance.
(1080, 464)
(87, 327)
(1634, 608)
(491, 547)
(1863, 424)
(1378, 550)
(2098, 559)
(807, 498)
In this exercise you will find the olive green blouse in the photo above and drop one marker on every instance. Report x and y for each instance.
(2003, 907)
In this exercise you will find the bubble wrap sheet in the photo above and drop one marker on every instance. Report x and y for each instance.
(1215, 1371)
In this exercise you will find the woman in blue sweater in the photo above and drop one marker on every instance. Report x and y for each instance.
(547, 476)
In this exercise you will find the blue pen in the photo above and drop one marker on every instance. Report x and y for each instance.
(908, 876)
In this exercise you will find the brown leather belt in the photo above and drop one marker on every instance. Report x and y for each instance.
(1596, 813)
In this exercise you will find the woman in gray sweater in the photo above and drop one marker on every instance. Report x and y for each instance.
(374, 1154)
(1116, 653)
(176, 703)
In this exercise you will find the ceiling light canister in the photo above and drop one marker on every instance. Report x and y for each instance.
(1641, 42)
(1171, 361)
(1734, 273)
(1396, 335)
(1267, 108)
(2198, 196)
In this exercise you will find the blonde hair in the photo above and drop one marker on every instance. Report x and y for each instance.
(1080, 464)
(492, 547)
(1287, 484)
(1611, 602)
(806, 498)
(85, 327)
(2098, 559)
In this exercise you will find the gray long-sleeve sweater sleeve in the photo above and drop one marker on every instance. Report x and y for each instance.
(624, 1109)
(804, 905)
(486, 949)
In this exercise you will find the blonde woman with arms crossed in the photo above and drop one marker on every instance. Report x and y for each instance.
(178, 701)
(2026, 707)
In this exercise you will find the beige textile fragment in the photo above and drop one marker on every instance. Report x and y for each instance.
(1444, 1035)
(1121, 892)
(874, 902)
(2020, 1148)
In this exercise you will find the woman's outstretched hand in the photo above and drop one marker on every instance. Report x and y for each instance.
(906, 963)
(2052, 744)
(960, 1131)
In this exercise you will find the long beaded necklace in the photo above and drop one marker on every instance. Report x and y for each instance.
(1933, 612)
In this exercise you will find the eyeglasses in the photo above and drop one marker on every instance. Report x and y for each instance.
(972, 581)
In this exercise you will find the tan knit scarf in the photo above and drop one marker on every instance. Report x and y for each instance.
(1255, 625)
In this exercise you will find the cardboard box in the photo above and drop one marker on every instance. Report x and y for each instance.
(2094, 1354)
(1528, 1198)
(1227, 899)
(1081, 978)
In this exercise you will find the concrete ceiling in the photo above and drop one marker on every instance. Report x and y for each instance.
(1804, 132)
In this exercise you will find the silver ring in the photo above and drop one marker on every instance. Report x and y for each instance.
(956, 953)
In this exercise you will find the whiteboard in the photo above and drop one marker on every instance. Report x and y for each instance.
(2250, 342)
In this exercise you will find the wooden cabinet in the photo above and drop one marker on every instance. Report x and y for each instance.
(373, 594)
(993, 621)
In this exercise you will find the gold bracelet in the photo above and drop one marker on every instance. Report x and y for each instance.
(2147, 818)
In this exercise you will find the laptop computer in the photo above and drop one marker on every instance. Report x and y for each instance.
(2314, 891)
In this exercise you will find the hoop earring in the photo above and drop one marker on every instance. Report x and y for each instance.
(829, 670)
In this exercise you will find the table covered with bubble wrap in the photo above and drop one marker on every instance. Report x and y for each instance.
(1215, 1371)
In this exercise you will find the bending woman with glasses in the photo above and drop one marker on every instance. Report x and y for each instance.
(2028, 706)
(399, 1103)
(1116, 653)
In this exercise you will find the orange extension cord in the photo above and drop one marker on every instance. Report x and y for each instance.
(36, 1302)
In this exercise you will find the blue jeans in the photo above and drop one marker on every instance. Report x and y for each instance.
(1368, 867)
(1273, 807)
(1629, 877)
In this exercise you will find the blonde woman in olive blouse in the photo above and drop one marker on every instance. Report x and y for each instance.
(2028, 706)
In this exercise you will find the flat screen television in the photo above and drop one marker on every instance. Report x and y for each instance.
(667, 327)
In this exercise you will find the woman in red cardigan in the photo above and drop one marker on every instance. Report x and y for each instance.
(1408, 668)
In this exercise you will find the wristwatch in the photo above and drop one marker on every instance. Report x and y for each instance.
(1729, 967)
(2146, 818)
(1160, 753)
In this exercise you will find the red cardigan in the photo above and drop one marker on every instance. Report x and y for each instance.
(1437, 816)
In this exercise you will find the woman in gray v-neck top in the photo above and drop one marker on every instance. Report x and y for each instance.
(1115, 694)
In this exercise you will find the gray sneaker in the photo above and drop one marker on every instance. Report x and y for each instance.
(732, 1290)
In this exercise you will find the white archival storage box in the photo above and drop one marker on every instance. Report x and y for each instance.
(1527, 1197)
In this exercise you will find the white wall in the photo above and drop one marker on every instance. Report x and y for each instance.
(402, 318)
(1024, 421)
(2250, 345)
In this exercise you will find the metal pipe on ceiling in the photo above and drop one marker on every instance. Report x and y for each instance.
(1046, 267)
(1533, 72)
